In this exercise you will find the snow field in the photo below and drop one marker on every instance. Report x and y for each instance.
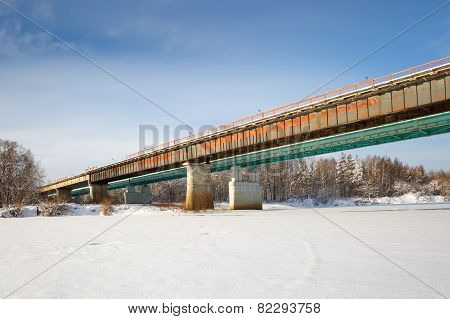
(276, 253)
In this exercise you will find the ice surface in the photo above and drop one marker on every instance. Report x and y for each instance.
(276, 253)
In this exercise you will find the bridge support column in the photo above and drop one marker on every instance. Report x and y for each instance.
(244, 195)
(132, 196)
(97, 192)
(63, 195)
(199, 195)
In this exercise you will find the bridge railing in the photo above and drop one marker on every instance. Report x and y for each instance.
(302, 103)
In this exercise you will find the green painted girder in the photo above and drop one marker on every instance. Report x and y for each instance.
(388, 133)
(399, 131)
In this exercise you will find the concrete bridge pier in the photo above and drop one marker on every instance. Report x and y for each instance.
(244, 195)
(133, 196)
(63, 195)
(97, 192)
(199, 195)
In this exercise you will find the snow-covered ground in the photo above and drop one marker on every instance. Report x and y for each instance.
(94, 210)
(275, 253)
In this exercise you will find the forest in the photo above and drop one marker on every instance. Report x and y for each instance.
(325, 178)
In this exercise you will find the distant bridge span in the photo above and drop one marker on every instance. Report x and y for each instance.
(408, 104)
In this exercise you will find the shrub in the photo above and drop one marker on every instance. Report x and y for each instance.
(107, 208)
(435, 187)
(52, 209)
(402, 188)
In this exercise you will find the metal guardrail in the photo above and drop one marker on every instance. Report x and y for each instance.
(302, 103)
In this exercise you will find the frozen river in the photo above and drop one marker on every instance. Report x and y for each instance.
(400, 251)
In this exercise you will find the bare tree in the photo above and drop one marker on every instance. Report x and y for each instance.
(20, 175)
(220, 185)
(172, 191)
(300, 180)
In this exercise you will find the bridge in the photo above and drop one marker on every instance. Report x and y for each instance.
(404, 105)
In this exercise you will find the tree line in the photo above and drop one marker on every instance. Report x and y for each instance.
(326, 178)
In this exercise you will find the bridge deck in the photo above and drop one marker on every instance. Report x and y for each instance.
(413, 96)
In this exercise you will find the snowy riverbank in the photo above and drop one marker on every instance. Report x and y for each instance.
(94, 210)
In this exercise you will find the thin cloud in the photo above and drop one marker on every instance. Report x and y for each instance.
(42, 10)
(16, 40)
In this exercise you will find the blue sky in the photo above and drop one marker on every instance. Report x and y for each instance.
(207, 62)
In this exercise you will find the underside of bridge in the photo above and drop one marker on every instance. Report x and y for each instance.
(401, 131)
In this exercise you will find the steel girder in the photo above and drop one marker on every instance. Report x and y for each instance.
(388, 133)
